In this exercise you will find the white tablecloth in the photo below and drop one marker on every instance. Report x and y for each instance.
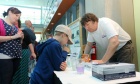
(71, 77)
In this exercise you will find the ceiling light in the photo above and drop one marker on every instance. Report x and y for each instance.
(59, 13)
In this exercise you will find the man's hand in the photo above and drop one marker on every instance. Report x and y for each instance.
(98, 61)
(85, 57)
(63, 66)
(33, 56)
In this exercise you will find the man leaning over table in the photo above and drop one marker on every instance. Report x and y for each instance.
(110, 36)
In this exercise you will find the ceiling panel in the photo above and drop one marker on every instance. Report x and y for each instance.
(63, 7)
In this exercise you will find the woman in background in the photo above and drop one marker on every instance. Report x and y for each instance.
(10, 45)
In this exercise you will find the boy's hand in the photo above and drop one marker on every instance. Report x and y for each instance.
(63, 66)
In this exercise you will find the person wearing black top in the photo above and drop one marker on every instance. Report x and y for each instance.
(21, 76)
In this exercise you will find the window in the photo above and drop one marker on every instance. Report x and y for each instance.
(31, 14)
(71, 17)
(28, 13)
(77, 11)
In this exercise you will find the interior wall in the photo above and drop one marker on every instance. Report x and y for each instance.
(137, 27)
(120, 11)
(128, 23)
(95, 6)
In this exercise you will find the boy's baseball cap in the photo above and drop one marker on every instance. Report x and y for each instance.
(66, 30)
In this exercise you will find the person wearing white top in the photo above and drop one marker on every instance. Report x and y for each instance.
(110, 36)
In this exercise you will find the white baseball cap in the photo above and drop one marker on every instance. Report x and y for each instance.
(66, 30)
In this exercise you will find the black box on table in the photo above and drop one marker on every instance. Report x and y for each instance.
(111, 71)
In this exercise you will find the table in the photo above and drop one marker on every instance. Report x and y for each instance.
(71, 77)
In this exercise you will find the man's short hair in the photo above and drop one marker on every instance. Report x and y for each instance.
(88, 17)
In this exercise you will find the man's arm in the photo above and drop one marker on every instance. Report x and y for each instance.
(88, 47)
(113, 44)
(31, 47)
